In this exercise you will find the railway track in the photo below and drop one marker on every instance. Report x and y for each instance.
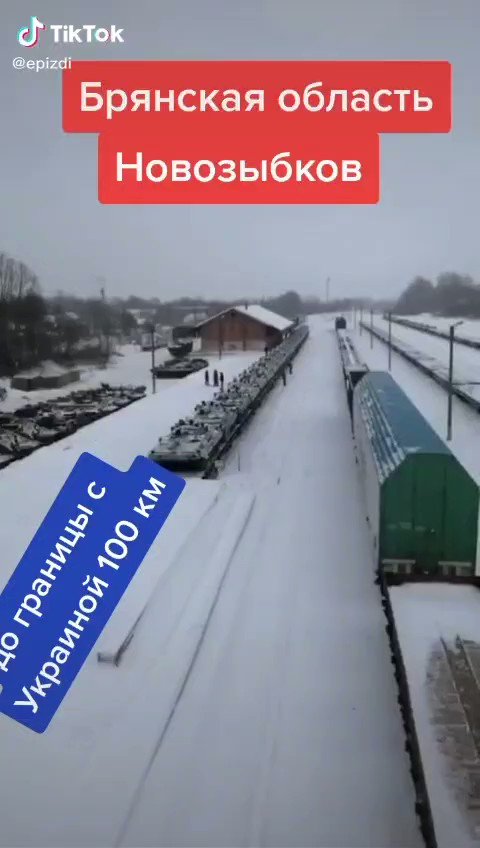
(452, 685)
(433, 331)
(430, 367)
(412, 746)
(454, 690)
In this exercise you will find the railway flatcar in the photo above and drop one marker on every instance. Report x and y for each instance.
(352, 366)
(421, 503)
(195, 444)
(352, 375)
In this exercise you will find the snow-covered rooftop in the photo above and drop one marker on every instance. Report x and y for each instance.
(266, 316)
(258, 313)
(46, 369)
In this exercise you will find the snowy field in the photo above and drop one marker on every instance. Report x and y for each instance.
(470, 328)
(131, 366)
(430, 619)
(256, 703)
(466, 360)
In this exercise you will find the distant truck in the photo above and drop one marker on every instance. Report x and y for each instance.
(340, 323)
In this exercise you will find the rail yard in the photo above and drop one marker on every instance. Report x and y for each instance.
(297, 661)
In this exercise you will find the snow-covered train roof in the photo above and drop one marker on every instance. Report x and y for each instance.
(388, 405)
(394, 425)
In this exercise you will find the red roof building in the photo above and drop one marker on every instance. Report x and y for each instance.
(249, 327)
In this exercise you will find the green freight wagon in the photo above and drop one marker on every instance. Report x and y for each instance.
(422, 505)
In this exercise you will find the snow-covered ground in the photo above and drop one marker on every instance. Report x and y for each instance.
(428, 618)
(466, 360)
(130, 367)
(117, 439)
(256, 703)
(470, 328)
(278, 740)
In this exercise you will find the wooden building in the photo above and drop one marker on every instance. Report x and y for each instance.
(249, 327)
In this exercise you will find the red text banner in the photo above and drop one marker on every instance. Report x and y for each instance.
(279, 166)
(376, 96)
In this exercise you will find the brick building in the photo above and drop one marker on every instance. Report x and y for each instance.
(249, 327)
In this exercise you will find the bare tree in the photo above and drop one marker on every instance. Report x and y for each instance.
(21, 313)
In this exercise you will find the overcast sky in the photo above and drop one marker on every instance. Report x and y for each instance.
(428, 220)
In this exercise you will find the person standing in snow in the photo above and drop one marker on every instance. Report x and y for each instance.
(284, 376)
(290, 367)
(222, 380)
(215, 377)
(207, 378)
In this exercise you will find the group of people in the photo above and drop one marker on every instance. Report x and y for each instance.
(218, 378)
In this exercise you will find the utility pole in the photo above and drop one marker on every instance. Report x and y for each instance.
(450, 383)
(152, 336)
(389, 341)
(361, 319)
(106, 332)
(450, 379)
(371, 327)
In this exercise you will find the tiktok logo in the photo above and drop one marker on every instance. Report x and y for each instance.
(29, 36)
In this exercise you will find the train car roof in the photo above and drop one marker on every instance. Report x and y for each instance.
(392, 414)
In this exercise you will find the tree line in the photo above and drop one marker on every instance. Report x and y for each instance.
(21, 312)
(69, 328)
(451, 295)
(34, 328)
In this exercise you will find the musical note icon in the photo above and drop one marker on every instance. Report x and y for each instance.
(29, 36)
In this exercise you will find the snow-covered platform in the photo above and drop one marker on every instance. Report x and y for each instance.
(438, 628)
